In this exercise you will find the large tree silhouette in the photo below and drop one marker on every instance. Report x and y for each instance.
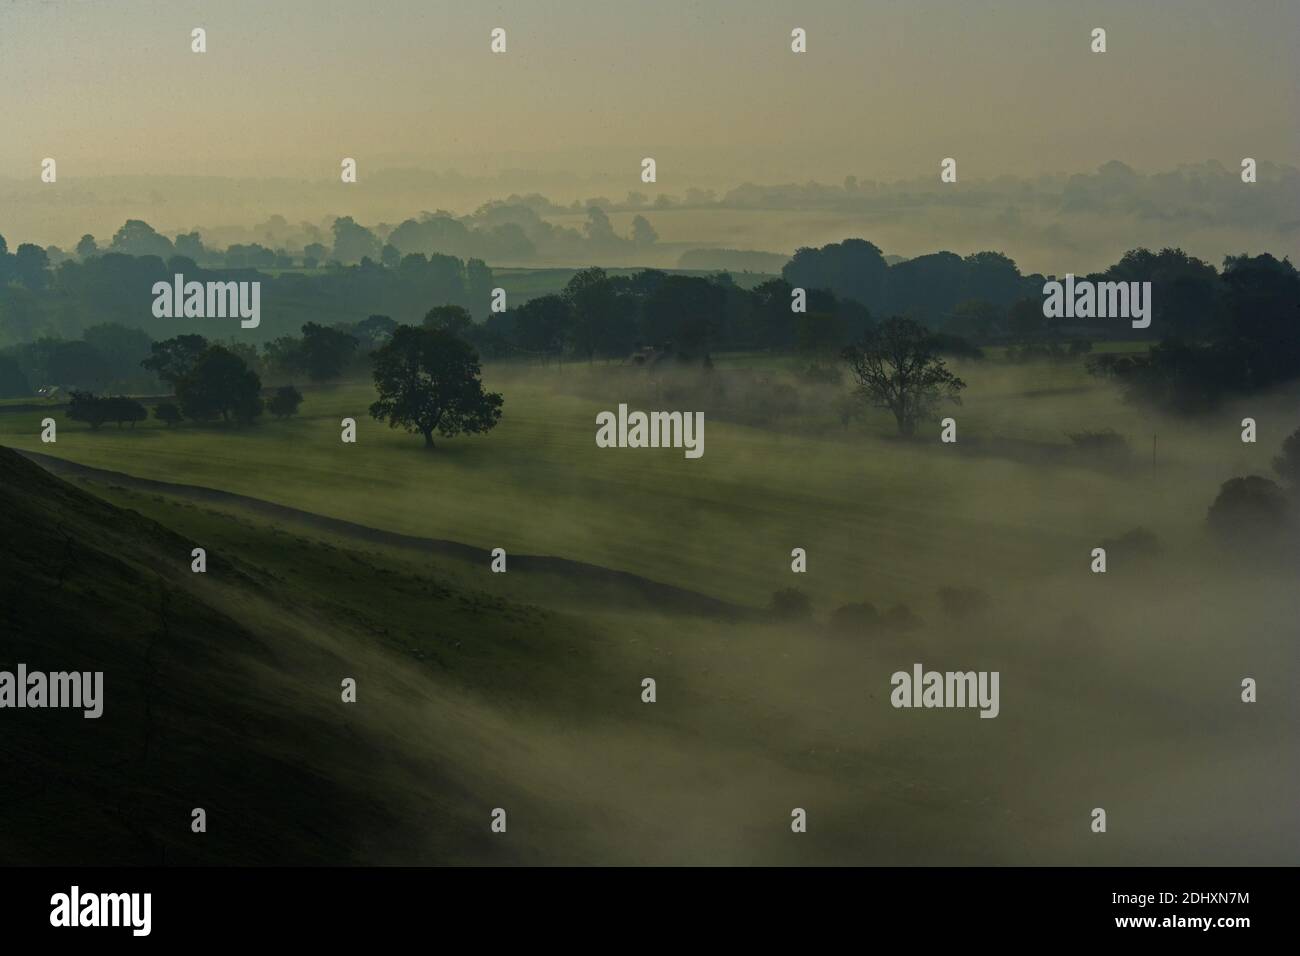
(897, 368)
(428, 380)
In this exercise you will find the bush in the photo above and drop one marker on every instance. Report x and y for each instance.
(961, 603)
(855, 619)
(167, 413)
(86, 407)
(121, 409)
(1287, 464)
(219, 385)
(1250, 511)
(791, 604)
(285, 402)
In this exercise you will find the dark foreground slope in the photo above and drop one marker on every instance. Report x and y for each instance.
(222, 692)
(188, 721)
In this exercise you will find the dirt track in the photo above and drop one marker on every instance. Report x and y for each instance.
(666, 595)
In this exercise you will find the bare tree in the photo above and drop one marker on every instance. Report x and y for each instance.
(897, 368)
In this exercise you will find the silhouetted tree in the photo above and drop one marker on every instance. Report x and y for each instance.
(167, 413)
(897, 369)
(172, 359)
(591, 299)
(86, 407)
(285, 402)
(791, 604)
(1250, 512)
(31, 264)
(122, 409)
(325, 351)
(429, 380)
(541, 324)
(449, 318)
(138, 238)
(1287, 464)
(220, 385)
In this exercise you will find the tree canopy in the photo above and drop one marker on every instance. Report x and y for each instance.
(428, 381)
(897, 368)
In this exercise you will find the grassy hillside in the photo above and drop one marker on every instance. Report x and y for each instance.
(881, 520)
(222, 691)
(522, 691)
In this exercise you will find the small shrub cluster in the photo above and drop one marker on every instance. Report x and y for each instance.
(96, 410)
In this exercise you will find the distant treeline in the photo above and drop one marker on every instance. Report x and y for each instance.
(1221, 332)
(983, 296)
(597, 315)
(40, 299)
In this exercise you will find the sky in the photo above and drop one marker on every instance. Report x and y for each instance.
(709, 88)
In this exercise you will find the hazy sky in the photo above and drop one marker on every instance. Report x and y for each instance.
(710, 89)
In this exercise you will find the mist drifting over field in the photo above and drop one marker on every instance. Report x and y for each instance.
(652, 441)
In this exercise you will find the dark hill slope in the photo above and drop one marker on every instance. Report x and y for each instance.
(221, 691)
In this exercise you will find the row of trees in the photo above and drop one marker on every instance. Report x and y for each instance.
(984, 296)
(428, 381)
(39, 300)
(96, 410)
(602, 315)
(1253, 344)
(502, 230)
(106, 356)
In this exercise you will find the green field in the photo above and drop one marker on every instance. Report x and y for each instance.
(522, 690)
(881, 520)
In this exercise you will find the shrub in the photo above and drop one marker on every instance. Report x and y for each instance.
(1249, 511)
(122, 409)
(167, 413)
(1287, 464)
(791, 604)
(86, 407)
(285, 402)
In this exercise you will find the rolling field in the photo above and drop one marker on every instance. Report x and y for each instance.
(882, 520)
(523, 690)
